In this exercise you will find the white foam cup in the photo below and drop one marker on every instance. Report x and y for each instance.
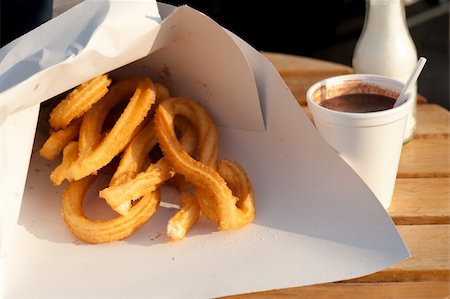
(370, 142)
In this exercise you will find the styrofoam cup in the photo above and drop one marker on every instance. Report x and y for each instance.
(369, 142)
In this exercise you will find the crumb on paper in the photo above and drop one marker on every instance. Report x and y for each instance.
(77, 242)
(155, 237)
(165, 74)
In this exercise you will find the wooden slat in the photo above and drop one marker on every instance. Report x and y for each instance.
(429, 262)
(425, 272)
(433, 121)
(425, 158)
(286, 63)
(299, 84)
(410, 290)
(430, 256)
(300, 73)
(421, 201)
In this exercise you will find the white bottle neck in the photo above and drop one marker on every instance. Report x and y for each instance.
(386, 13)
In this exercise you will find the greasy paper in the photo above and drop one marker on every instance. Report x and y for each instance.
(308, 228)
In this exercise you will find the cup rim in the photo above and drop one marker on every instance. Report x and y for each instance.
(366, 78)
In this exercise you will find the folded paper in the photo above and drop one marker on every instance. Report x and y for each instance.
(316, 221)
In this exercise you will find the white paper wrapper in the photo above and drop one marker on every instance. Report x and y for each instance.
(316, 220)
(94, 37)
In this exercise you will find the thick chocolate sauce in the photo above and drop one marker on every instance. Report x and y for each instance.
(359, 103)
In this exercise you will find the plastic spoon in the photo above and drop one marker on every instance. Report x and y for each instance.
(411, 81)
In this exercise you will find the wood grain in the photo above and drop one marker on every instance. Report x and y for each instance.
(286, 63)
(421, 201)
(430, 256)
(300, 73)
(425, 158)
(410, 290)
(433, 121)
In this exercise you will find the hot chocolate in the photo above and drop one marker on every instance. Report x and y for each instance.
(358, 103)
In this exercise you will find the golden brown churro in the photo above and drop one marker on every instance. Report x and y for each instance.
(183, 130)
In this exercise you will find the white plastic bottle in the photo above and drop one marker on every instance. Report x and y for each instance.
(385, 47)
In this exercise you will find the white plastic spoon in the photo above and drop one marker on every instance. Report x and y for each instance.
(411, 81)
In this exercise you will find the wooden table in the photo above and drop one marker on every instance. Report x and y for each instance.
(420, 207)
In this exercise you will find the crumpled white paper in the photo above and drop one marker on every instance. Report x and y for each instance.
(93, 37)
(112, 31)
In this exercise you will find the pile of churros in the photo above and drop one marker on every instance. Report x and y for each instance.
(89, 132)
